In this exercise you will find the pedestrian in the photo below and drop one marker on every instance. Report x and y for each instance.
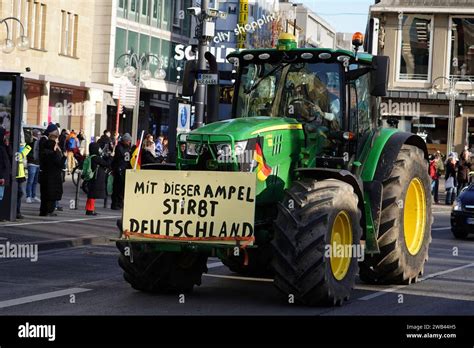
(47, 168)
(33, 168)
(62, 140)
(51, 185)
(463, 169)
(96, 187)
(433, 171)
(159, 146)
(451, 176)
(105, 143)
(5, 166)
(21, 177)
(72, 147)
(148, 155)
(164, 153)
(81, 139)
(120, 164)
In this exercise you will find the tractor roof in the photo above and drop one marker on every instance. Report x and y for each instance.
(246, 55)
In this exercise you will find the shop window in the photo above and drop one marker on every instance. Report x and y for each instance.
(462, 47)
(415, 47)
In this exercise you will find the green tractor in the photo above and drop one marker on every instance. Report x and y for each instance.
(337, 195)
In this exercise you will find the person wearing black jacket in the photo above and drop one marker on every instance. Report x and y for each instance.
(451, 172)
(120, 163)
(5, 165)
(148, 155)
(105, 143)
(96, 187)
(51, 163)
(33, 170)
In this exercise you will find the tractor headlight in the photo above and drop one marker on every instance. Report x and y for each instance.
(225, 149)
(457, 205)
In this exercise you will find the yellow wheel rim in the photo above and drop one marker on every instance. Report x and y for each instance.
(341, 245)
(414, 216)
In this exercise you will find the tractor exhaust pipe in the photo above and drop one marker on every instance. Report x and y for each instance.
(212, 91)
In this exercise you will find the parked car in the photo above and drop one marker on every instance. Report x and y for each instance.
(462, 216)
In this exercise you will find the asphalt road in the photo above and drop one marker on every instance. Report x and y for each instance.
(87, 280)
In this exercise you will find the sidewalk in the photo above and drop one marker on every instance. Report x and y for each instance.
(70, 228)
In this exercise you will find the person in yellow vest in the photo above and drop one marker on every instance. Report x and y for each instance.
(20, 156)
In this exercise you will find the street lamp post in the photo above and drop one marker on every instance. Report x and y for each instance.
(22, 42)
(141, 72)
(452, 94)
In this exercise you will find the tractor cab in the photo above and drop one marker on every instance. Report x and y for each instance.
(317, 102)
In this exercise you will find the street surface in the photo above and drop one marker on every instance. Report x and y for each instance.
(80, 276)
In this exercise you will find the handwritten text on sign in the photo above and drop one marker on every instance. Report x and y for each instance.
(190, 204)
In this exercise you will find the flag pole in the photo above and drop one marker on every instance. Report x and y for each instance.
(117, 122)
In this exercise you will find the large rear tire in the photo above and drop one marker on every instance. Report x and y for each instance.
(161, 272)
(314, 215)
(405, 225)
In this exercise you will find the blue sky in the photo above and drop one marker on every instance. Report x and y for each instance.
(344, 15)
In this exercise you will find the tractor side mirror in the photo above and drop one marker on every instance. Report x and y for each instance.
(379, 76)
(189, 78)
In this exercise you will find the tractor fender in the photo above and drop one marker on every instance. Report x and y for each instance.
(342, 175)
(390, 153)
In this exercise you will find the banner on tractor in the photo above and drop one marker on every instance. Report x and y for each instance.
(190, 206)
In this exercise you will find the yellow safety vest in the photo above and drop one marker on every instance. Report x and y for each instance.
(21, 156)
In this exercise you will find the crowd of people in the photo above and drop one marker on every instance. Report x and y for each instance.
(456, 174)
(54, 153)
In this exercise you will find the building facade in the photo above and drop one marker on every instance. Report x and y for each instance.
(74, 48)
(313, 31)
(152, 29)
(57, 66)
(431, 47)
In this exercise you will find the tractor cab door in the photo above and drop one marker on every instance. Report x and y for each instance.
(361, 118)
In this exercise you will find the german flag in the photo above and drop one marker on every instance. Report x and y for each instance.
(136, 158)
(263, 169)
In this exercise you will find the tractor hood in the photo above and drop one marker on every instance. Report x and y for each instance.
(243, 128)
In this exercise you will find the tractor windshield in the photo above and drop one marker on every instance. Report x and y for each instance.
(296, 90)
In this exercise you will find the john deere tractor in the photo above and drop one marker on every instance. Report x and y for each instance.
(330, 181)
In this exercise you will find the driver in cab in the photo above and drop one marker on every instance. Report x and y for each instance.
(321, 107)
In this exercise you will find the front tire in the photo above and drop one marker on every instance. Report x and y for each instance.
(314, 215)
(405, 224)
(158, 271)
